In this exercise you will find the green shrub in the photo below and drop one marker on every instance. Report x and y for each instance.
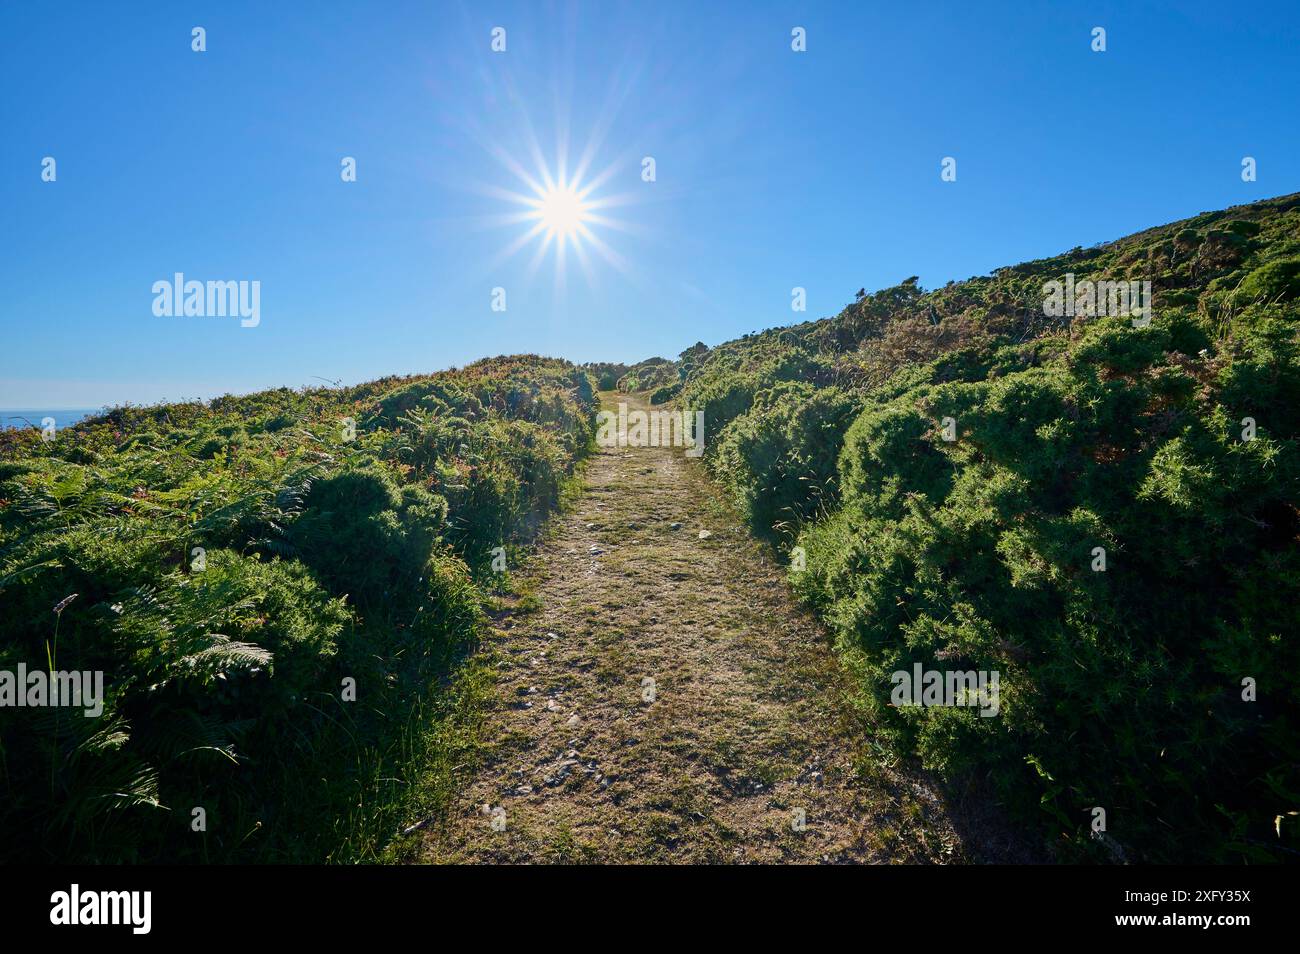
(649, 375)
(666, 393)
(978, 554)
(1272, 282)
(606, 374)
(1171, 449)
(365, 536)
(779, 457)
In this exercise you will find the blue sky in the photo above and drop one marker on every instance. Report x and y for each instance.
(774, 169)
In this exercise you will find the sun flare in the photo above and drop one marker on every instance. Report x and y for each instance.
(562, 211)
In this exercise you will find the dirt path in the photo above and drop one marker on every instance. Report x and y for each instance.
(746, 728)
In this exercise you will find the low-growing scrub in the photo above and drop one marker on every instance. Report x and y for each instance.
(606, 373)
(649, 375)
(277, 589)
(1101, 512)
(779, 459)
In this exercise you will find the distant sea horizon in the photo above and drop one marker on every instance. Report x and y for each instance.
(24, 417)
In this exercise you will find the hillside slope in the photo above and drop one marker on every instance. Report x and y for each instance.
(275, 588)
(1101, 510)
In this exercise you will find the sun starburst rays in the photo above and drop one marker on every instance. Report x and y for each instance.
(560, 213)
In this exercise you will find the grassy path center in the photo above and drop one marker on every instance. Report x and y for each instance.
(745, 750)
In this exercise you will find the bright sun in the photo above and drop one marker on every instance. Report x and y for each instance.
(562, 211)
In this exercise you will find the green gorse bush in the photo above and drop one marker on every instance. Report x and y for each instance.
(1120, 689)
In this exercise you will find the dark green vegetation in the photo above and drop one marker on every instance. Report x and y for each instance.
(325, 559)
(1120, 689)
(606, 373)
(660, 378)
(649, 375)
